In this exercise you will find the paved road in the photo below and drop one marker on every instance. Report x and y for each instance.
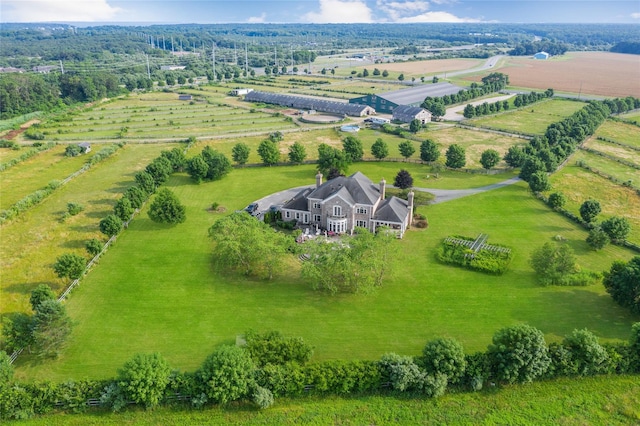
(443, 195)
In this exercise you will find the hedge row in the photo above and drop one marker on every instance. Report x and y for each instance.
(612, 158)
(635, 148)
(518, 354)
(26, 155)
(613, 179)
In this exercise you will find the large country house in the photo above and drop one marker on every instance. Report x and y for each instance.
(341, 204)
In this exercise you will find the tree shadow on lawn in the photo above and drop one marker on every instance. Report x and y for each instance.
(25, 288)
(73, 244)
(105, 201)
(577, 308)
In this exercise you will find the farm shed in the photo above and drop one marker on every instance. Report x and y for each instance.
(185, 97)
(85, 147)
(239, 92)
(307, 103)
(414, 96)
(408, 113)
(541, 55)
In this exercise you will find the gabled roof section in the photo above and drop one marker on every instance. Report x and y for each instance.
(417, 94)
(299, 201)
(358, 186)
(406, 112)
(309, 103)
(393, 209)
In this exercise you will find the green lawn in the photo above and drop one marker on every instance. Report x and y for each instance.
(532, 119)
(625, 153)
(8, 154)
(31, 243)
(155, 290)
(589, 401)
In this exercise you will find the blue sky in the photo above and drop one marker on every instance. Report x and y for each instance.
(320, 11)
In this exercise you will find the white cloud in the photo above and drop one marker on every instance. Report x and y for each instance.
(436, 17)
(57, 10)
(340, 11)
(396, 10)
(257, 19)
(635, 15)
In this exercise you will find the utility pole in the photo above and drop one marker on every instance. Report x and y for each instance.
(213, 59)
(246, 61)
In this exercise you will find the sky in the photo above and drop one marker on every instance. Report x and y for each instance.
(319, 11)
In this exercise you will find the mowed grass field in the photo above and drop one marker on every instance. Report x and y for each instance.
(36, 172)
(620, 132)
(532, 119)
(160, 115)
(32, 242)
(610, 400)
(156, 289)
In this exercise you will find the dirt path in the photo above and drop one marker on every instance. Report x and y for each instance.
(13, 133)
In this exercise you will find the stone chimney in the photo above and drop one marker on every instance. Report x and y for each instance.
(318, 180)
(383, 184)
(410, 199)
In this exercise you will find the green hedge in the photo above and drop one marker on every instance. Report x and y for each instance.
(483, 260)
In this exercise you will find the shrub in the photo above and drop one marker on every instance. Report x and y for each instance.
(401, 372)
(94, 246)
(111, 225)
(556, 200)
(144, 378)
(589, 356)
(616, 227)
(444, 356)
(69, 265)
(74, 208)
(273, 348)
(518, 354)
(262, 397)
(227, 374)
(597, 239)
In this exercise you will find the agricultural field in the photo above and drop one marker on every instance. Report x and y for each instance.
(532, 119)
(8, 154)
(586, 73)
(625, 133)
(579, 185)
(158, 284)
(159, 116)
(31, 243)
(632, 116)
(611, 400)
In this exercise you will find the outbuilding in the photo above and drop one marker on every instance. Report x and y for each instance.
(541, 55)
(408, 113)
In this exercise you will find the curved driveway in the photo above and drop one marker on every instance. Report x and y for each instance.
(441, 195)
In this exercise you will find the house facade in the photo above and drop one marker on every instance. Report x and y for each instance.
(408, 113)
(344, 203)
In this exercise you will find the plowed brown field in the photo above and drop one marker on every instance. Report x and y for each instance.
(588, 73)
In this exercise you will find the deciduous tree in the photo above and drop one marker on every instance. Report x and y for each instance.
(111, 225)
(352, 147)
(403, 180)
(297, 153)
(587, 354)
(456, 158)
(51, 328)
(444, 356)
(622, 282)
(489, 158)
(379, 149)
(330, 158)
(515, 157)
(69, 265)
(553, 264)
(269, 152)
(197, 168)
(539, 182)
(557, 200)
(40, 294)
(616, 227)
(166, 208)
(240, 153)
(123, 209)
(589, 210)
(406, 149)
(429, 151)
(597, 239)
(143, 379)
(227, 374)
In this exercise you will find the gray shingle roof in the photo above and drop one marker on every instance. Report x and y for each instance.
(393, 209)
(406, 113)
(301, 102)
(417, 94)
(299, 201)
(358, 186)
